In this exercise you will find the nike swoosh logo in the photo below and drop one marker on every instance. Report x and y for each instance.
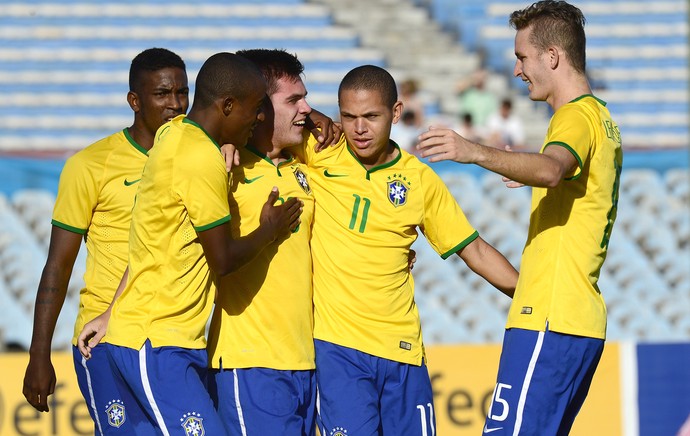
(246, 180)
(327, 174)
(491, 430)
(128, 183)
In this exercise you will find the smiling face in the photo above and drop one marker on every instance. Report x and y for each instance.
(366, 121)
(532, 66)
(160, 96)
(285, 118)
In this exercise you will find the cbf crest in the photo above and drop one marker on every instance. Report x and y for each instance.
(115, 410)
(398, 189)
(302, 180)
(193, 424)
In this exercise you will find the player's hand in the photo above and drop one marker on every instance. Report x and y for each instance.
(92, 333)
(411, 259)
(445, 144)
(283, 218)
(509, 182)
(231, 155)
(39, 382)
(326, 131)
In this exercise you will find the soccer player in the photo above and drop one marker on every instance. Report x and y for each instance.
(261, 348)
(557, 321)
(94, 202)
(371, 200)
(179, 239)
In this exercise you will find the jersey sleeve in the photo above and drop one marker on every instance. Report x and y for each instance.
(201, 183)
(571, 128)
(445, 225)
(307, 153)
(77, 194)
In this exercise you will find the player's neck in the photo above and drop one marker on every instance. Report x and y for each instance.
(273, 153)
(571, 88)
(141, 136)
(385, 156)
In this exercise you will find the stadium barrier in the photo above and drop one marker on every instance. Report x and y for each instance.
(639, 389)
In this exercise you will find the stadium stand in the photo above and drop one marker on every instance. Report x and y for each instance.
(63, 73)
(637, 55)
(63, 67)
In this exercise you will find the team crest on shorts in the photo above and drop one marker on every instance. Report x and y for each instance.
(115, 410)
(338, 431)
(302, 180)
(193, 424)
(398, 188)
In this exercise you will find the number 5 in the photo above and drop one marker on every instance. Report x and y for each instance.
(497, 398)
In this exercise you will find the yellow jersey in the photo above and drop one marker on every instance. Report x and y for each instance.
(364, 224)
(183, 190)
(95, 197)
(263, 315)
(570, 227)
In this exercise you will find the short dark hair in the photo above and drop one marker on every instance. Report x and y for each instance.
(275, 64)
(152, 59)
(225, 75)
(371, 78)
(555, 23)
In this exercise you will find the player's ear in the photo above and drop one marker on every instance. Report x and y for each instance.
(133, 100)
(554, 55)
(227, 105)
(397, 111)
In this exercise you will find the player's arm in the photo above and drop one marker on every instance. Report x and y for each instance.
(39, 379)
(545, 169)
(486, 261)
(94, 330)
(225, 255)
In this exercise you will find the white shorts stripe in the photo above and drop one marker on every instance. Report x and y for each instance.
(525, 384)
(92, 397)
(143, 372)
(318, 411)
(238, 404)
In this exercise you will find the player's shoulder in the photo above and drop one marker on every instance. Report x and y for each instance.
(584, 106)
(411, 162)
(97, 153)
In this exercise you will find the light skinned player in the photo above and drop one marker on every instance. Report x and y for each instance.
(261, 348)
(557, 321)
(372, 199)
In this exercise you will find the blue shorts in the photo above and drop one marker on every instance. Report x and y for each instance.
(360, 394)
(261, 401)
(543, 379)
(106, 404)
(169, 384)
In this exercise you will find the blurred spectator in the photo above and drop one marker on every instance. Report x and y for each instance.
(504, 127)
(475, 99)
(409, 95)
(14, 347)
(467, 129)
(406, 130)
